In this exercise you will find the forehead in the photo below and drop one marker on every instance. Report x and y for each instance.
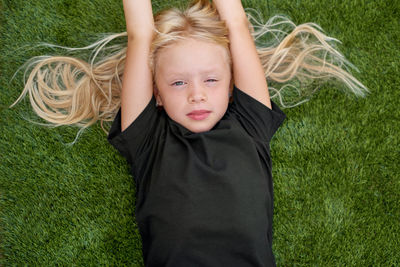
(192, 55)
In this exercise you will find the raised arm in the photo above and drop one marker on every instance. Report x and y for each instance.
(248, 72)
(137, 84)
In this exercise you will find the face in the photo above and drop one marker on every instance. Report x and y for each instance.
(193, 80)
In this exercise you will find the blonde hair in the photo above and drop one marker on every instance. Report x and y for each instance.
(66, 90)
(199, 21)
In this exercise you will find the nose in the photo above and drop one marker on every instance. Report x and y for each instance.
(197, 94)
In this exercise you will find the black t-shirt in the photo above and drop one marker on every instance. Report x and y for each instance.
(203, 199)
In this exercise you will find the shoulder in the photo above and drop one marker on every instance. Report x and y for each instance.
(258, 120)
(132, 141)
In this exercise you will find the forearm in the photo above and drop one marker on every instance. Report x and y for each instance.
(139, 18)
(231, 11)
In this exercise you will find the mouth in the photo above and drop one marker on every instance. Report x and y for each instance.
(199, 114)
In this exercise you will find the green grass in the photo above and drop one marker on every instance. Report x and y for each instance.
(336, 158)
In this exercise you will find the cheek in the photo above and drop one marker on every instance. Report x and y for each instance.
(172, 98)
(220, 98)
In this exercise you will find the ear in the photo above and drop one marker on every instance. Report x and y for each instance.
(231, 85)
(231, 90)
(157, 96)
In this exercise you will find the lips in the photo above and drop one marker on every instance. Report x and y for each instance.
(199, 114)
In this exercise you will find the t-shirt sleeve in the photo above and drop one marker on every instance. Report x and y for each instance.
(258, 120)
(133, 140)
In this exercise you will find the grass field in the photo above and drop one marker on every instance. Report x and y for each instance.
(336, 158)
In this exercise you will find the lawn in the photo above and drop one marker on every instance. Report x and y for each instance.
(336, 158)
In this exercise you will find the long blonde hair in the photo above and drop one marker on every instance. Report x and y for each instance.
(66, 90)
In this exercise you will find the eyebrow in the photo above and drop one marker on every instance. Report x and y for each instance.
(183, 73)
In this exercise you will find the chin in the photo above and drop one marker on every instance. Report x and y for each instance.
(201, 129)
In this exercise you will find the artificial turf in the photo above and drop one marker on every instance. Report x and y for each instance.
(336, 158)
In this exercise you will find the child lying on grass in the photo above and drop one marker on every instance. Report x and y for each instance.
(192, 114)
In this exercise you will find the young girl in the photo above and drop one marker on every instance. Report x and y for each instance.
(194, 120)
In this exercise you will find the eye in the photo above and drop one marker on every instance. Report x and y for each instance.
(211, 80)
(178, 83)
